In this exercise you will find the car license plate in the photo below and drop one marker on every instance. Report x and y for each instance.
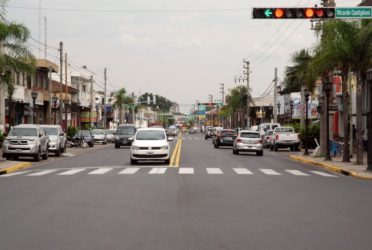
(150, 153)
(19, 150)
(228, 138)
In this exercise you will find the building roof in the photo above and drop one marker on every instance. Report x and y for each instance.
(46, 64)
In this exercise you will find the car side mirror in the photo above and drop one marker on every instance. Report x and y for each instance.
(40, 135)
(62, 134)
(170, 138)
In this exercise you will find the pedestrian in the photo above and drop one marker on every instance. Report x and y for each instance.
(365, 139)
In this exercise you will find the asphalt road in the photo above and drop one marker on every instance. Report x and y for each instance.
(214, 200)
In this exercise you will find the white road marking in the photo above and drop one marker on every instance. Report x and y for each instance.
(269, 172)
(43, 172)
(158, 171)
(186, 171)
(196, 138)
(214, 171)
(190, 138)
(323, 174)
(129, 171)
(296, 172)
(72, 171)
(242, 171)
(16, 173)
(101, 171)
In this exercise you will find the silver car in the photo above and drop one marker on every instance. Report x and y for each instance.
(57, 139)
(99, 136)
(26, 140)
(110, 135)
(248, 141)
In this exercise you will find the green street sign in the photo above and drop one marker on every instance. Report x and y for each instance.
(268, 13)
(361, 12)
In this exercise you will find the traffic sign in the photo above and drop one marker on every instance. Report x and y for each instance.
(354, 12)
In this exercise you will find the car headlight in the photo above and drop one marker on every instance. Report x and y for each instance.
(52, 143)
(32, 143)
(117, 138)
(164, 147)
(6, 141)
(131, 138)
(135, 148)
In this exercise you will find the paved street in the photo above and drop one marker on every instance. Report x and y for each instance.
(213, 200)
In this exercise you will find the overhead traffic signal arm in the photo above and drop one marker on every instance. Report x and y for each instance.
(293, 13)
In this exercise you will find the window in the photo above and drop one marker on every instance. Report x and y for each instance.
(23, 132)
(250, 135)
(84, 88)
(150, 135)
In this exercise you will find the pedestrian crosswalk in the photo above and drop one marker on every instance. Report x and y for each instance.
(155, 170)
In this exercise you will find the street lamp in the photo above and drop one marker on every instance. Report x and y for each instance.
(34, 96)
(55, 99)
(291, 105)
(327, 87)
(307, 93)
(369, 146)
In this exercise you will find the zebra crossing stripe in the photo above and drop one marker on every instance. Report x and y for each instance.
(40, 173)
(296, 172)
(323, 174)
(214, 171)
(242, 171)
(101, 171)
(158, 171)
(269, 172)
(129, 171)
(72, 171)
(15, 173)
(186, 171)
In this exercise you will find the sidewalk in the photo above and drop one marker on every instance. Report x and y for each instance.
(336, 165)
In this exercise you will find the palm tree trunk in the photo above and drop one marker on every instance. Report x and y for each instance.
(120, 115)
(323, 127)
(302, 121)
(345, 119)
(2, 106)
(359, 121)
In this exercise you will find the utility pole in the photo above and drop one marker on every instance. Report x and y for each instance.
(246, 67)
(50, 96)
(45, 41)
(104, 100)
(275, 95)
(66, 98)
(91, 102)
(60, 81)
(222, 100)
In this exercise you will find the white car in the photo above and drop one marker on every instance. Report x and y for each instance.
(150, 144)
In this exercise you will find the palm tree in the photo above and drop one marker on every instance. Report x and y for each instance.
(14, 55)
(348, 46)
(120, 98)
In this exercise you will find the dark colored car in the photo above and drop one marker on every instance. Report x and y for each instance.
(224, 137)
(88, 136)
(125, 135)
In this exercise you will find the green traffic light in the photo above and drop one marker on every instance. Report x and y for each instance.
(268, 13)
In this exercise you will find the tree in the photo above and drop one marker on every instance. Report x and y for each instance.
(14, 55)
(162, 103)
(120, 100)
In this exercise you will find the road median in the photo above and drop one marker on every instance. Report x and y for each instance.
(348, 169)
(9, 167)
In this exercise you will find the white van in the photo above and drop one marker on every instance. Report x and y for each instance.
(262, 128)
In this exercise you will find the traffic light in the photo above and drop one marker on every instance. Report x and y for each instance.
(293, 13)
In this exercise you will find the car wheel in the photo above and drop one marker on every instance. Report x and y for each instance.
(64, 148)
(217, 146)
(8, 158)
(46, 155)
(259, 153)
(91, 145)
(133, 161)
(275, 147)
(297, 148)
(234, 151)
(37, 157)
(117, 146)
(58, 152)
(167, 161)
(271, 147)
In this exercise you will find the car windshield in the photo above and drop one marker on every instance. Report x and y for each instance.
(84, 132)
(284, 130)
(111, 132)
(126, 131)
(250, 135)
(23, 132)
(51, 131)
(150, 135)
(98, 132)
(269, 132)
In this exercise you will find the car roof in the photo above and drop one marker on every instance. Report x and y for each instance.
(50, 126)
(151, 128)
(249, 131)
(27, 126)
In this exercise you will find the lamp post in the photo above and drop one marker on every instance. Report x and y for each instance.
(327, 87)
(34, 97)
(369, 146)
(291, 105)
(55, 99)
(307, 93)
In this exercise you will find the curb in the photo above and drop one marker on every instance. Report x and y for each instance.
(329, 167)
(16, 167)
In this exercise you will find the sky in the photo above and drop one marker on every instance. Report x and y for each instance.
(179, 49)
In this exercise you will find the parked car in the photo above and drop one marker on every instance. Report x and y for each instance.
(26, 140)
(57, 139)
(88, 136)
(99, 136)
(150, 144)
(248, 141)
(172, 131)
(267, 138)
(224, 137)
(209, 132)
(125, 135)
(110, 135)
(285, 137)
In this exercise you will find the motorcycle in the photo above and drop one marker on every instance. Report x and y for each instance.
(77, 141)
